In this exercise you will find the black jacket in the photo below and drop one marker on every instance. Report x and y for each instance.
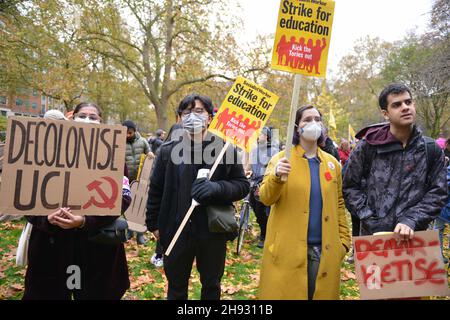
(170, 191)
(385, 184)
(104, 270)
(155, 143)
(331, 149)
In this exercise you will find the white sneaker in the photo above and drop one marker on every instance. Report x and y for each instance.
(157, 262)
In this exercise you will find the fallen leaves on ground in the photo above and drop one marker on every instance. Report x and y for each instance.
(240, 280)
(347, 275)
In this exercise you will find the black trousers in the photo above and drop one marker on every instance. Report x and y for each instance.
(355, 225)
(159, 250)
(210, 259)
(261, 213)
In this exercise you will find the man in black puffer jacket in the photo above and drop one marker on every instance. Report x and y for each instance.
(172, 188)
(389, 182)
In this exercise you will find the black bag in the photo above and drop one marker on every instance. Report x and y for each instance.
(114, 233)
(221, 219)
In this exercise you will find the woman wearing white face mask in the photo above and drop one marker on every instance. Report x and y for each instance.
(87, 113)
(60, 248)
(307, 233)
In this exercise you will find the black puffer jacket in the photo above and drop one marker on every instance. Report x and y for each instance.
(393, 187)
(170, 191)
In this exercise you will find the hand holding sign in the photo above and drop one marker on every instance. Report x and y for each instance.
(66, 220)
(403, 232)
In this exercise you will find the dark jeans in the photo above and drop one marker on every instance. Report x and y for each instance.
(210, 259)
(261, 213)
(355, 225)
(314, 253)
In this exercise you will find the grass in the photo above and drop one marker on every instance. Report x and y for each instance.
(240, 280)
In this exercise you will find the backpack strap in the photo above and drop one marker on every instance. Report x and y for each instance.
(370, 151)
(432, 152)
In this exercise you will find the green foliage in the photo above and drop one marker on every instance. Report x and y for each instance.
(3, 123)
(423, 65)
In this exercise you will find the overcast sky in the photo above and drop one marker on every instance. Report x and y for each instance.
(388, 19)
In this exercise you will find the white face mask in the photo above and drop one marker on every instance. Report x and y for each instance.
(86, 120)
(311, 131)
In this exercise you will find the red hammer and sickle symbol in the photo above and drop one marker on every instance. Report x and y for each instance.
(108, 202)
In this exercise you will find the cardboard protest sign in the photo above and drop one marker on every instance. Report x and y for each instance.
(303, 35)
(387, 269)
(135, 214)
(50, 164)
(243, 113)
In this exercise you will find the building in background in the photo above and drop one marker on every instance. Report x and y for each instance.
(27, 102)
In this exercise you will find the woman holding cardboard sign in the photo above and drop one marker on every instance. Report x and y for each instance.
(62, 262)
(307, 233)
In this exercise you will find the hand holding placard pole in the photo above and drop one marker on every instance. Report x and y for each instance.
(290, 133)
(195, 203)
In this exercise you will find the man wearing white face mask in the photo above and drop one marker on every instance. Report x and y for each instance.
(173, 186)
(307, 225)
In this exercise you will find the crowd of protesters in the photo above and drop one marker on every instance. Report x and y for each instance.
(301, 204)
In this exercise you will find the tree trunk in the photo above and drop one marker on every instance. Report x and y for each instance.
(161, 116)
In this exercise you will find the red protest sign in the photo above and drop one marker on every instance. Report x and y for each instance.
(386, 268)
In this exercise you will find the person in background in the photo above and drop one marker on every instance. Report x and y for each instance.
(441, 141)
(136, 147)
(344, 151)
(307, 225)
(447, 150)
(157, 141)
(444, 218)
(60, 241)
(328, 145)
(259, 159)
(54, 114)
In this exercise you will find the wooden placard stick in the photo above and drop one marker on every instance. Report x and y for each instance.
(194, 203)
(290, 133)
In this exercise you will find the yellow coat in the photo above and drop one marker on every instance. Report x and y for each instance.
(284, 263)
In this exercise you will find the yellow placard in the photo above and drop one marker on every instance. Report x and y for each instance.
(243, 113)
(303, 36)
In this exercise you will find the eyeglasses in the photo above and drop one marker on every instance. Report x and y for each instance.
(196, 111)
(92, 117)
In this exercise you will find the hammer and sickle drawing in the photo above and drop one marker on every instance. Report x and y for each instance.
(108, 202)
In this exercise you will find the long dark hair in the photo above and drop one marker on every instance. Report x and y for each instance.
(87, 104)
(298, 117)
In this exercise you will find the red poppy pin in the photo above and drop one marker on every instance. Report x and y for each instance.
(328, 176)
